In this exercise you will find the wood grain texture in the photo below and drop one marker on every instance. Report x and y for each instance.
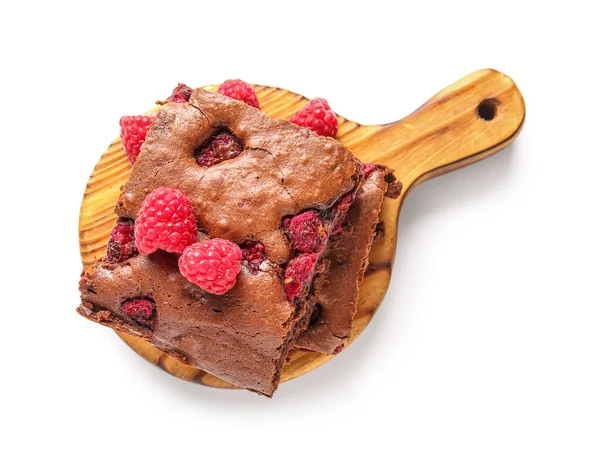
(466, 122)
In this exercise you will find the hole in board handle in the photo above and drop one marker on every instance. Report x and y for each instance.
(486, 110)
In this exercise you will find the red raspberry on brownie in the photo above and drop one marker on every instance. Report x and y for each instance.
(166, 221)
(212, 265)
(239, 90)
(133, 133)
(317, 116)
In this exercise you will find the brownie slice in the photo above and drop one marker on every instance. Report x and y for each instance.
(245, 174)
(267, 169)
(239, 336)
(336, 295)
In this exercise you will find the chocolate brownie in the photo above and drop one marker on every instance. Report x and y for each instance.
(248, 178)
(281, 169)
(336, 293)
(238, 336)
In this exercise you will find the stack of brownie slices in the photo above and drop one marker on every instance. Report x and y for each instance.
(301, 207)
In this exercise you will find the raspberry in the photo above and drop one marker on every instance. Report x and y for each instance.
(338, 349)
(240, 90)
(368, 169)
(121, 245)
(340, 209)
(317, 116)
(306, 231)
(339, 227)
(181, 94)
(166, 221)
(222, 146)
(140, 310)
(342, 205)
(133, 133)
(297, 273)
(212, 264)
(253, 252)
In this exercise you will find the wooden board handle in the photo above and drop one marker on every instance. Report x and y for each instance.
(469, 120)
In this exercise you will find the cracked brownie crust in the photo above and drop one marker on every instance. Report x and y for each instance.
(281, 170)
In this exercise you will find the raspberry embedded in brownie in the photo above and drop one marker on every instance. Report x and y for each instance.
(281, 171)
(337, 293)
(307, 231)
(221, 146)
(253, 252)
(140, 310)
(121, 244)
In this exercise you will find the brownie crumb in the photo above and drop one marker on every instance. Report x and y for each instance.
(103, 315)
(394, 186)
(85, 310)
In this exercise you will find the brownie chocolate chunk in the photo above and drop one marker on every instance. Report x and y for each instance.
(247, 176)
(336, 293)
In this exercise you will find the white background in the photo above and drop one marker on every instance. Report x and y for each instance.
(488, 342)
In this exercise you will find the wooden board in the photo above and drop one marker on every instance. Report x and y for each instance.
(466, 122)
